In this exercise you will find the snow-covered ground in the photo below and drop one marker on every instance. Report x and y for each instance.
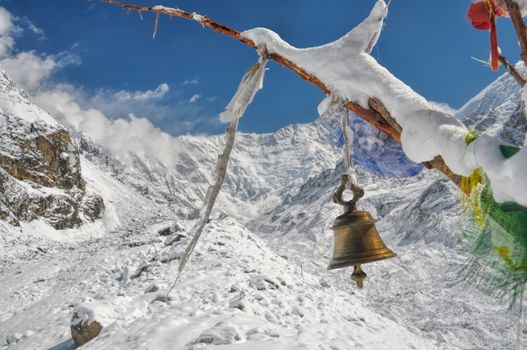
(237, 293)
(245, 290)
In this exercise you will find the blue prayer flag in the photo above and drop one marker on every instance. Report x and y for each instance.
(377, 152)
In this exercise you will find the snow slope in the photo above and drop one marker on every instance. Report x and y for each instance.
(263, 167)
(237, 294)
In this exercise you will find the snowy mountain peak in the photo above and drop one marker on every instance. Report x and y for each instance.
(16, 102)
(497, 110)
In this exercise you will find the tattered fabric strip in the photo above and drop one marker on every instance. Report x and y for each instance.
(251, 83)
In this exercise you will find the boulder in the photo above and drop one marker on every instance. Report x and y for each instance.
(83, 326)
(93, 207)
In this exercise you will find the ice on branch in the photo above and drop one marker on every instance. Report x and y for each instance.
(198, 17)
(348, 70)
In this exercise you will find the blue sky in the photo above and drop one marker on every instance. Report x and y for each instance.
(426, 44)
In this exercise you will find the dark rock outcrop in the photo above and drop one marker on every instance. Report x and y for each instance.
(40, 170)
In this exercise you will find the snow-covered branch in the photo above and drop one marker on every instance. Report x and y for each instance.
(356, 76)
(516, 10)
(369, 115)
(345, 68)
(375, 114)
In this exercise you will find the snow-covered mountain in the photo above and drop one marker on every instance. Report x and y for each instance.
(263, 168)
(258, 279)
(40, 174)
(498, 110)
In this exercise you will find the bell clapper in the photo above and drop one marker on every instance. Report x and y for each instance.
(358, 276)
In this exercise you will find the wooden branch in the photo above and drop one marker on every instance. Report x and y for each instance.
(379, 107)
(519, 24)
(439, 164)
(510, 68)
(377, 115)
(176, 12)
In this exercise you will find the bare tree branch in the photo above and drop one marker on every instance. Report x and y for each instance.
(510, 68)
(519, 24)
(377, 115)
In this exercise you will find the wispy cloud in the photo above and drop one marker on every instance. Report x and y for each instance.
(26, 23)
(143, 96)
(117, 119)
(7, 30)
(194, 98)
(31, 70)
(190, 82)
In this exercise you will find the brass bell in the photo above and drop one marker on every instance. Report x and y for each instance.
(357, 241)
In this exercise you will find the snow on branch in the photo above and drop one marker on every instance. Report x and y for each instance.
(344, 68)
(376, 115)
(370, 115)
(356, 76)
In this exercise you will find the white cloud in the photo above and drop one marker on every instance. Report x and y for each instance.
(24, 21)
(11, 26)
(120, 103)
(194, 98)
(7, 29)
(143, 96)
(107, 116)
(29, 70)
(119, 136)
(190, 82)
(6, 23)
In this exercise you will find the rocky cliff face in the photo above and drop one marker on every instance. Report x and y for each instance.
(40, 174)
(39, 153)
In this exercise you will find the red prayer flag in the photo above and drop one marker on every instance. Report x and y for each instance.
(482, 15)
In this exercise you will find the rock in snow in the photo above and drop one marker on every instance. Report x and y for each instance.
(84, 327)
